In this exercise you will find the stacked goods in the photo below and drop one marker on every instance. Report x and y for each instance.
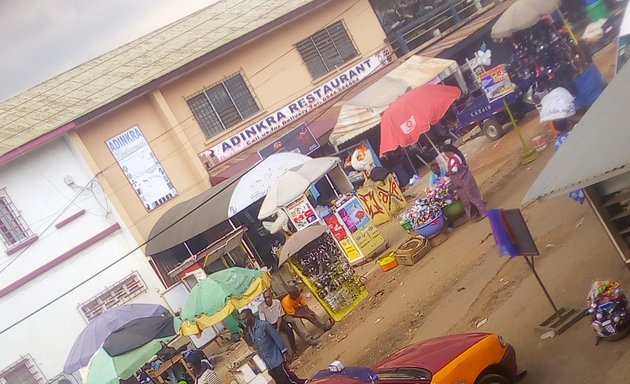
(443, 195)
(420, 214)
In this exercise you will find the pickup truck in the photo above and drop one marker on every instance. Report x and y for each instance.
(475, 110)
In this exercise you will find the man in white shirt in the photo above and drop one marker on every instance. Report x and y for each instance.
(271, 311)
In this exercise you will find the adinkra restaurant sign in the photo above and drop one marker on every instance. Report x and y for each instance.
(298, 108)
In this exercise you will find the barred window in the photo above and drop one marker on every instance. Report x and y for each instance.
(327, 49)
(13, 228)
(23, 371)
(223, 105)
(118, 294)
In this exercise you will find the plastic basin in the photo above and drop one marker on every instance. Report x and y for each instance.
(431, 228)
(454, 210)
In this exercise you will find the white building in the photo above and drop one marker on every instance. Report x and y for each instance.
(57, 230)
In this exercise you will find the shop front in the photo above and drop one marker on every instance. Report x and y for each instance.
(301, 126)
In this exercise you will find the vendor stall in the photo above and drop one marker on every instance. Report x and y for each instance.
(318, 260)
(343, 213)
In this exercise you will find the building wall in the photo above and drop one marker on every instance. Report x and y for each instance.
(36, 185)
(276, 75)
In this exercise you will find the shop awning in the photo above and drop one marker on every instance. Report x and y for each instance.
(186, 220)
(596, 149)
(362, 112)
(212, 252)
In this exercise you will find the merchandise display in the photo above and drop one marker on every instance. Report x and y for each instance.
(422, 212)
(328, 274)
(608, 308)
(444, 194)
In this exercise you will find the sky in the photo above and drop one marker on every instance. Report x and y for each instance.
(40, 39)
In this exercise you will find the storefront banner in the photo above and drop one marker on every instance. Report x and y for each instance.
(300, 140)
(496, 83)
(298, 108)
(301, 213)
(142, 168)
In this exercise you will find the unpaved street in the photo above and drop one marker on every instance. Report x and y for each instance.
(464, 281)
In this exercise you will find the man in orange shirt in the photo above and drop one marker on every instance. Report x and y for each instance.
(294, 305)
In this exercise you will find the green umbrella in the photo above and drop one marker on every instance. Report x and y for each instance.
(104, 369)
(218, 295)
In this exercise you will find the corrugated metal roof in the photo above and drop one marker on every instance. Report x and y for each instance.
(95, 83)
(598, 148)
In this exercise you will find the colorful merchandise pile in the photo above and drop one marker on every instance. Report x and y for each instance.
(330, 272)
(422, 212)
(443, 195)
(604, 291)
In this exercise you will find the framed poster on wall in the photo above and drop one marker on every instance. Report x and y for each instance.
(142, 168)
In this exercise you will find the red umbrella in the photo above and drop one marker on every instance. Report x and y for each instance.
(413, 113)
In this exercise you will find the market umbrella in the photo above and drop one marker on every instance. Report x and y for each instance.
(218, 295)
(97, 330)
(557, 104)
(299, 240)
(522, 15)
(106, 369)
(293, 183)
(413, 113)
(137, 333)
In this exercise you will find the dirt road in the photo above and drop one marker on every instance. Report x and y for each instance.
(464, 281)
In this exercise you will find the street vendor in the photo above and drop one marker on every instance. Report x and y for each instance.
(201, 368)
(271, 311)
(294, 305)
(464, 181)
(437, 174)
(323, 207)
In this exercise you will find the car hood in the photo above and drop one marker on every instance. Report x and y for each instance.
(431, 354)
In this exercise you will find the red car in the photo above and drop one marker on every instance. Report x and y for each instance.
(473, 358)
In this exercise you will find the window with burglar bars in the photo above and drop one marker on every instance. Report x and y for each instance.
(327, 49)
(223, 105)
(13, 228)
(118, 294)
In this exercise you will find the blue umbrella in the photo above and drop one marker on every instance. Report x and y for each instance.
(97, 330)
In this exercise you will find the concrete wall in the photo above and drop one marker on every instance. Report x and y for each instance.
(36, 185)
(270, 64)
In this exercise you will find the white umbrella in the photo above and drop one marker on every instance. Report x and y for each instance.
(557, 104)
(287, 188)
(292, 184)
(522, 15)
(255, 183)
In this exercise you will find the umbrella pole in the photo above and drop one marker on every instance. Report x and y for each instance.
(575, 40)
(528, 154)
(440, 154)
(413, 167)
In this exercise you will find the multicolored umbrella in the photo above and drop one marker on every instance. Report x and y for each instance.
(99, 328)
(105, 369)
(413, 113)
(218, 295)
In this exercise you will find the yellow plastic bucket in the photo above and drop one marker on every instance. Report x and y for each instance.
(388, 262)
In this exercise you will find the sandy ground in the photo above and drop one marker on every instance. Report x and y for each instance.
(464, 282)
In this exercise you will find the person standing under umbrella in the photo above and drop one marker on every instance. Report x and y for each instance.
(464, 181)
(271, 348)
(201, 368)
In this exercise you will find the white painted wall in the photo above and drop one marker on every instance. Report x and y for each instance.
(35, 183)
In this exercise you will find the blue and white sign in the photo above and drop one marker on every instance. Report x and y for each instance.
(247, 137)
(142, 168)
